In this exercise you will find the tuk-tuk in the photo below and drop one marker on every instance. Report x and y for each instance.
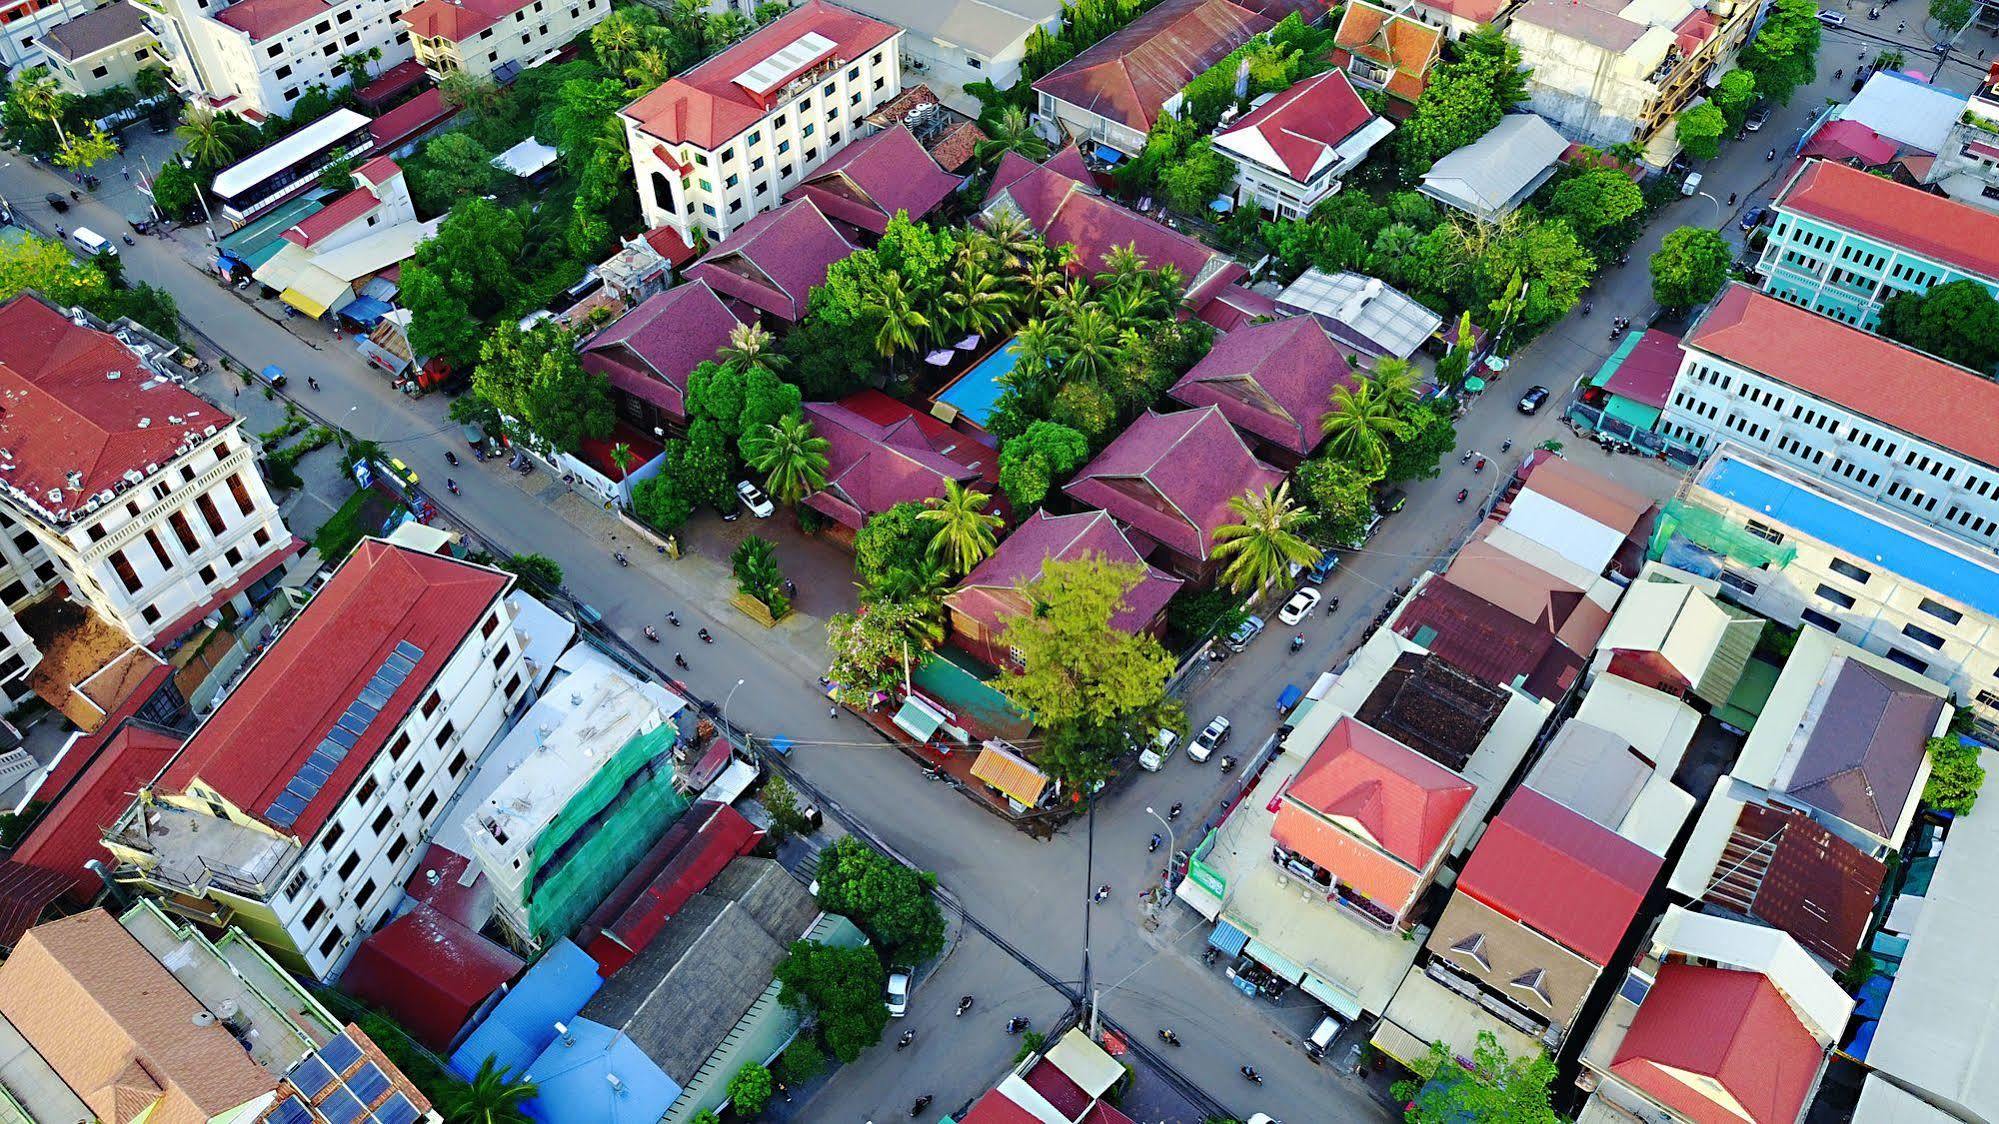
(274, 375)
(1290, 697)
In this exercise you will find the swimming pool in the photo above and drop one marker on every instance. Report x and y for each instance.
(974, 392)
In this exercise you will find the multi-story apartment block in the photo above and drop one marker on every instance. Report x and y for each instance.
(722, 143)
(1859, 411)
(24, 22)
(1292, 152)
(100, 50)
(1808, 551)
(296, 809)
(1845, 241)
(1608, 72)
(260, 55)
(495, 38)
(141, 498)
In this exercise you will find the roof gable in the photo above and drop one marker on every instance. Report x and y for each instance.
(775, 259)
(1709, 1041)
(1561, 874)
(873, 178)
(1301, 127)
(1171, 476)
(1931, 225)
(1273, 379)
(1863, 754)
(1396, 799)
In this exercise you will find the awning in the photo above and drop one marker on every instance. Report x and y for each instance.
(734, 781)
(365, 311)
(918, 720)
(1332, 995)
(1474, 384)
(303, 302)
(1228, 939)
(1108, 154)
(1199, 898)
(1276, 961)
(1019, 781)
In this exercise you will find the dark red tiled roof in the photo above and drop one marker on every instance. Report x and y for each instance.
(720, 838)
(1486, 641)
(457, 20)
(1729, 1027)
(1789, 872)
(1172, 476)
(383, 595)
(391, 82)
(1931, 225)
(261, 19)
(333, 216)
(429, 973)
(706, 106)
(997, 1108)
(1851, 140)
(667, 243)
(1235, 306)
(1273, 379)
(71, 831)
(25, 891)
(990, 592)
(1646, 375)
(1305, 123)
(1899, 386)
(649, 351)
(1561, 874)
(772, 261)
(391, 129)
(380, 170)
(61, 412)
(886, 452)
(1057, 1089)
(871, 179)
(439, 882)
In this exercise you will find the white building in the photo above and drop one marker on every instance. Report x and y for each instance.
(495, 38)
(1293, 149)
(100, 50)
(722, 143)
(142, 498)
(324, 261)
(24, 22)
(288, 168)
(258, 56)
(1838, 404)
(956, 42)
(297, 808)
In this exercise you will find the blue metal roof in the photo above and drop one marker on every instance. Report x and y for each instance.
(1857, 534)
(1228, 939)
(522, 1024)
(596, 1075)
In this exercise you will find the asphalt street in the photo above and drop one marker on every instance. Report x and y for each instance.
(1032, 895)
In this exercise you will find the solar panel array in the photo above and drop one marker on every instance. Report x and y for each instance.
(347, 731)
(341, 1099)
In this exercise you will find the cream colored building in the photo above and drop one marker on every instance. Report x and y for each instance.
(101, 50)
(495, 38)
(1609, 71)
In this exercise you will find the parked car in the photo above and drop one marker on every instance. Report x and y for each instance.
(1152, 757)
(1212, 737)
(1531, 402)
(1753, 216)
(1299, 607)
(1758, 117)
(1323, 568)
(1244, 633)
(754, 499)
(898, 993)
(1691, 185)
(1831, 18)
(56, 202)
(1391, 501)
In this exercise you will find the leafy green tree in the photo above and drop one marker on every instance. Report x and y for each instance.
(1341, 501)
(83, 150)
(535, 378)
(1262, 547)
(1784, 53)
(1701, 126)
(1030, 463)
(1463, 101)
(1955, 775)
(461, 90)
(962, 532)
(462, 278)
(491, 1097)
(48, 268)
(452, 167)
(1958, 321)
(1496, 1087)
(801, 1061)
(869, 649)
(1085, 406)
(1426, 437)
(173, 190)
(705, 1116)
(751, 1089)
(893, 904)
(790, 455)
(537, 568)
(1197, 178)
(1951, 15)
(754, 564)
(1076, 669)
(1734, 95)
(891, 539)
(781, 802)
(1690, 267)
(1597, 198)
(843, 987)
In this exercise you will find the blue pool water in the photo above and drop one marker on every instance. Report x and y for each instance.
(975, 391)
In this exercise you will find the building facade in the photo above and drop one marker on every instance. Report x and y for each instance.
(723, 143)
(1967, 167)
(260, 55)
(100, 50)
(1292, 152)
(1845, 241)
(494, 38)
(295, 809)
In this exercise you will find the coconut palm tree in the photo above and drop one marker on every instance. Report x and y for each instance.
(1395, 380)
(650, 67)
(1011, 131)
(1124, 266)
(1089, 344)
(751, 345)
(791, 456)
(622, 456)
(491, 1097)
(1261, 549)
(919, 587)
(1013, 237)
(974, 300)
(1128, 303)
(204, 136)
(43, 100)
(1041, 279)
(966, 533)
(728, 26)
(901, 323)
(616, 37)
(1361, 422)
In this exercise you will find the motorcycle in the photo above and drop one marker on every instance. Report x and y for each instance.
(1168, 1037)
(451, 458)
(705, 638)
(964, 1005)
(1506, 445)
(1016, 1024)
(922, 1103)
(651, 634)
(680, 661)
(1228, 765)
(620, 556)
(1173, 813)
(128, 240)
(1333, 606)
(908, 1036)
(1466, 459)
(1297, 643)
(1479, 467)
(1102, 895)
(1154, 845)
(451, 485)
(1211, 955)
(1249, 1071)
(671, 619)
(1463, 493)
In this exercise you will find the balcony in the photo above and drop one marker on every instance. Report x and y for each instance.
(188, 852)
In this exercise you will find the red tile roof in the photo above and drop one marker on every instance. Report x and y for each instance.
(1899, 386)
(649, 351)
(1930, 225)
(1304, 124)
(1235, 306)
(261, 19)
(253, 744)
(391, 129)
(1789, 872)
(333, 216)
(379, 171)
(990, 592)
(25, 892)
(1171, 477)
(1851, 140)
(1274, 380)
(429, 973)
(1402, 43)
(457, 20)
(439, 882)
(873, 178)
(70, 832)
(391, 82)
(1561, 874)
(1646, 375)
(1058, 1089)
(62, 413)
(705, 107)
(772, 261)
(1371, 810)
(667, 243)
(1487, 642)
(1725, 1026)
(721, 838)
(1130, 74)
(997, 1108)
(886, 452)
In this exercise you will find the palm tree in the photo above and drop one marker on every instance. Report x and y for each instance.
(974, 301)
(1362, 421)
(205, 137)
(1124, 266)
(1395, 380)
(491, 1097)
(1128, 304)
(751, 345)
(1262, 548)
(615, 37)
(649, 68)
(900, 321)
(791, 456)
(1041, 279)
(966, 534)
(622, 456)
(1014, 238)
(1011, 131)
(1090, 345)
(42, 98)
(920, 587)
(728, 26)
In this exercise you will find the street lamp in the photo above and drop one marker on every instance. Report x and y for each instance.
(1721, 212)
(726, 700)
(1172, 845)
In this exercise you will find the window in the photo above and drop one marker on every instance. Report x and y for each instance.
(1765, 532)
(781, 119)
(282, 72)
(500, 655)
(1814, 617)
(367, 791)
(806, 129)
(396, 849)
(756, 164)
(445, 733)
(783, 147)
(1941, 611)
(1737, 582)
(350, 865)
(315, 913)
(491, 626)
(514, 683)
(428, 806)
(183, 532)
(150, 614)
(367, 891)
(1896, 655)
(262, 537)
(1847, 569)
(401, 746)
(459, 763)
(126, 574)
(1922, 636)
(382, 819)
(753, 138)
(1835, 595)
(878, 83)
(732, 181)
(207, 574)
(332, 836)
(430, 704)
(296, 885)
(1473, 947)
(210, 514)
(1987, 699)
(331, 942)
(233, 556)
(728, 154)
(1536, 981)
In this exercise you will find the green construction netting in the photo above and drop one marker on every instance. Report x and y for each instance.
(619, 812)
(1711, 530)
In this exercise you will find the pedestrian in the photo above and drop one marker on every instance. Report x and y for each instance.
(833, 711)
(127, 173)
(238, 393)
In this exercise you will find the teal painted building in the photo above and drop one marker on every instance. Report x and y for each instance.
(1844, 241)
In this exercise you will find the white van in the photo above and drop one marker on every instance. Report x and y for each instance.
(1155, 755)
(1691, 185)
(92, 242)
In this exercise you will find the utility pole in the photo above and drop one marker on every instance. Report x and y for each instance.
(1089, 905)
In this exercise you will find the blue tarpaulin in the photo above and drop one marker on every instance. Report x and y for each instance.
(1228, 938)
(365, 311)
(1108, 154)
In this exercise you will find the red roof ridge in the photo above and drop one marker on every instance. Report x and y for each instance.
(1931, 225)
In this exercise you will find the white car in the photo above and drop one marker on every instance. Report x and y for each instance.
(1211, 738)
(754, 499)
(898, 993)
(1299, 607)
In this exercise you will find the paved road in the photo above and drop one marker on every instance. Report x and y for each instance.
(1032, 894)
